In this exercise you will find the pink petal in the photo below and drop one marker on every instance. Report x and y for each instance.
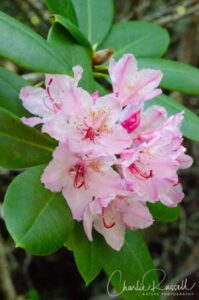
(143, 86)
(108, 179)
(185, 161)
(57, 127)
(114, 236)
(121, 72)
(77, 102)
(88, 219)
(54, 176)
(137, 214)
(116, 141)
(172, 195)
(34, 101)
(31, 121)
(77, 198)
(110, 106)
(78, 71)
(151, 119)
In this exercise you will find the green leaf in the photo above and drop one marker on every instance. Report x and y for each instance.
(10, 85)
(163, 213)
(28, 49)
(131, 266)
(38, 220)
(75, 54)
(73, 30)
(177, 76)
(64, 8)
(21, 145)
(86, 253)
(138, 37)
(190, 123)
(94, 18)
(98, 87)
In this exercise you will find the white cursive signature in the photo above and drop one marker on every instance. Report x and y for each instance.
(143, 285)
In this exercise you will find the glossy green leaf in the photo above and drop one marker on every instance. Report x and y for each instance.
(10, 85)
(26, 48)
(138, 37)
(86, 253)
(177, 76)
(73, 30)
(98, 87)
(163, 213)
(64, 8)
(94, 18)
(132, 267)
(73, 53)
(38, 220)
(190, 123)
(21, 145)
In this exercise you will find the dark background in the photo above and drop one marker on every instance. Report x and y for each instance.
(174, 246)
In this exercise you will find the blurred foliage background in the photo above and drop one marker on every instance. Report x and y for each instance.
(174, 246)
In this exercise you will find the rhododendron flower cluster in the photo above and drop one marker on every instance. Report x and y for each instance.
(113, 156)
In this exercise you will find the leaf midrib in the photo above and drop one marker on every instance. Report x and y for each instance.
(51, 198)
(39, 39)
(138, 261)
(12, 87)
(170, 68)
(121, 50)
(89, 21)
(24, 142)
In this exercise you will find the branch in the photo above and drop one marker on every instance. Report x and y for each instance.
(171, 18)
(6, 286)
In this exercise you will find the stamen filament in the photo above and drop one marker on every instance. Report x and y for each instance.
(135, 170)
(108, 226)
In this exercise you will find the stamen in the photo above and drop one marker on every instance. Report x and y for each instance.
(47, 105)
(108, 226)
(56, 106)
(79, 176)
(136, 171)
(89, 134)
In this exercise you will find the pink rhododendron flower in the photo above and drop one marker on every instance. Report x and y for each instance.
(113, 156)
(46, 103)
(111, 216)
(90, 125)
(131, 85)
(80, 178)
(152, 165)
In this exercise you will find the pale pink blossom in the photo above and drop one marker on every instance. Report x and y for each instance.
(113, 156)
(46, 103)
(90, 126)
(152, 165)
(80, 178)
(111, 216)
(129, 84)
